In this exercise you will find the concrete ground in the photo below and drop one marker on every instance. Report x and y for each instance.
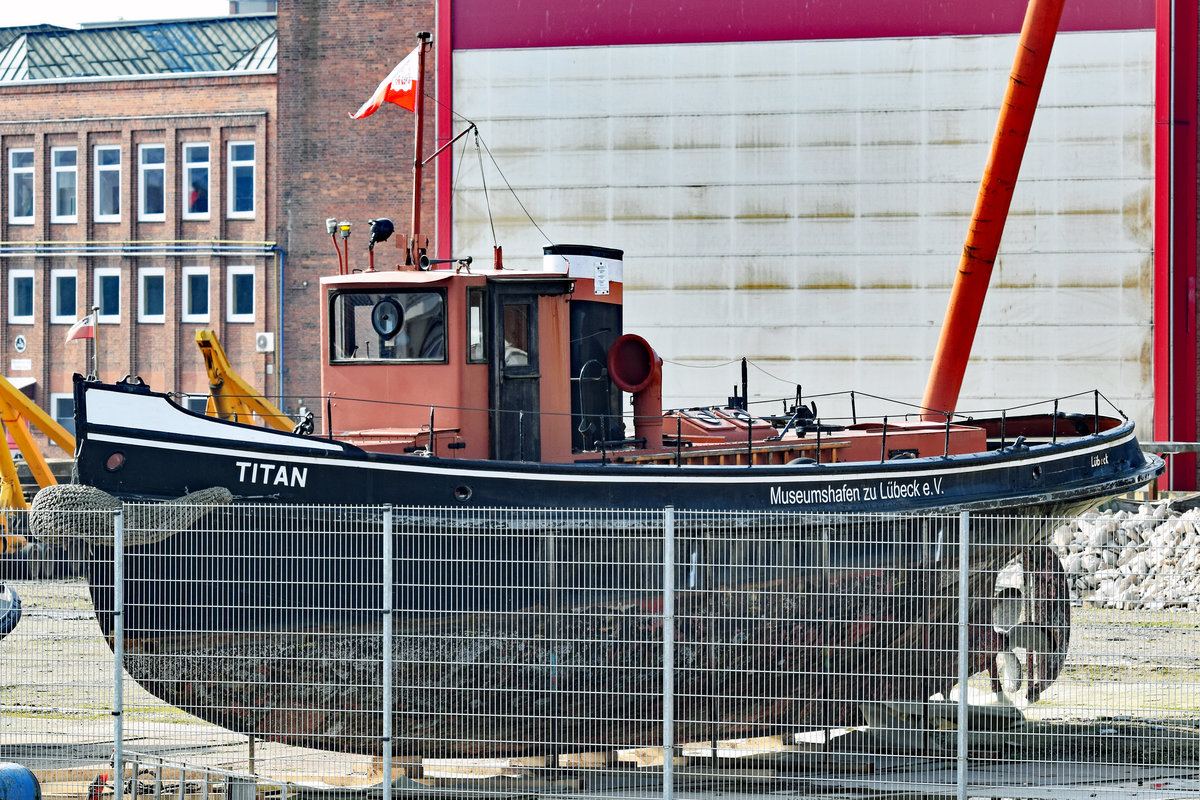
(1123, 721)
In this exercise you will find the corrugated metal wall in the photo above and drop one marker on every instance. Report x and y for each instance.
(804, 203)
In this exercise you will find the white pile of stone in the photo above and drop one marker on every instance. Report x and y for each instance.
(1148, 559)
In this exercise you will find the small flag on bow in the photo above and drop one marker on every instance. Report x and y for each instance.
(83, 329)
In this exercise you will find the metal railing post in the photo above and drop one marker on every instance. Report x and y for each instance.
(964, 549)
(387, 648)
(118, 651)
(668, 658)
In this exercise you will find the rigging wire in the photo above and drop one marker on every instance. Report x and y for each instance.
(483, 179)
(479, 140)
(511, 189)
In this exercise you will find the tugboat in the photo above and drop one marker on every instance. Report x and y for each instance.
(478, 412)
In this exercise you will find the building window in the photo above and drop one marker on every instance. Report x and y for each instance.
(20, 187)
(152, 173)
(108, 294)
(63, 284)
(20, 296)
(62, 408)
(241, 179)
(64, 182)
(152, 294)
(196, 402)
(239, 291)
(195, 294)
(108, 184)
(195, 181)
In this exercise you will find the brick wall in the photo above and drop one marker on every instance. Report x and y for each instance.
(127, 113)
(332, 55)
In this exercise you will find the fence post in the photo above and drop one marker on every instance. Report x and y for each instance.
(668, 658)
(387, 649)
(118, 650)
(964, 572)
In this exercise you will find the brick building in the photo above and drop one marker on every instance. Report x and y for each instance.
(137, 161)
(332, 55)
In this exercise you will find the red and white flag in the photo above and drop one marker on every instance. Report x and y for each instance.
(399, 87)
(85, 328)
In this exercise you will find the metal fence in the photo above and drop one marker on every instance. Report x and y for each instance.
(287, 651)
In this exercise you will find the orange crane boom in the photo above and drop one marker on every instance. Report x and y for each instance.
(991, 207)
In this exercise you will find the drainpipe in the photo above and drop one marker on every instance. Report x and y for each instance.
(280, 261)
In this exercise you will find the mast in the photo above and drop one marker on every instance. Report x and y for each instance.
(414, 248)
(991, 207)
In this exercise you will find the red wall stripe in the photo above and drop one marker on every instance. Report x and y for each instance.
(485, 24)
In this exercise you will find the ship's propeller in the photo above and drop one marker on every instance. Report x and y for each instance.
(1031, 612)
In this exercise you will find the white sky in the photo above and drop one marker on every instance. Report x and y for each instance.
(70, 13)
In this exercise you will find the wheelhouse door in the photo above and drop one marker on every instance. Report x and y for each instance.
(515, 379)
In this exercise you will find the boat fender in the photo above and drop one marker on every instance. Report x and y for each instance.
(18, 783)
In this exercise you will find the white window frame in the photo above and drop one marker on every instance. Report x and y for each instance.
(190, 164)
(55, 399)
(200, 400)
(15, 275)
(97, 275)
(73, 314)
(143, 273)
(15, 172)
(70, 317)
(231, 295)
(56, 172)
(143, 171)
(98, 169)
(230, 195)
(185, 315)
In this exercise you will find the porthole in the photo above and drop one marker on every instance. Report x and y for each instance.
(115, 461)
(1037, 473)
(462, 494)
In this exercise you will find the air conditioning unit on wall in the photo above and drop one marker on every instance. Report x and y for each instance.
(264, 342)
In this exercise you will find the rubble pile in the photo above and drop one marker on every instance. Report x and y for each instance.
(1144, 559)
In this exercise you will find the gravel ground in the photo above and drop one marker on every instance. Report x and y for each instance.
(1128, 674)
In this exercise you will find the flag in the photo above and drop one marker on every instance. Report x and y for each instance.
(83, 329)
(399, 87)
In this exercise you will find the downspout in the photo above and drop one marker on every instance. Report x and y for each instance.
(280, 261)
(1175, 256)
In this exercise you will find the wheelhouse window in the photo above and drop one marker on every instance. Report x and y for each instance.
(151, 182)
(195, 181)
(108, 183)
(476, 325)
(388, 326)
(241, 179)
(20, 187)
(64, 182)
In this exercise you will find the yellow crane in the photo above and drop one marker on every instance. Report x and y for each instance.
(230, 396)
(16, 410)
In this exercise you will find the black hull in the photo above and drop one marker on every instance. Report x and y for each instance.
(139, 445)
(543, 631)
